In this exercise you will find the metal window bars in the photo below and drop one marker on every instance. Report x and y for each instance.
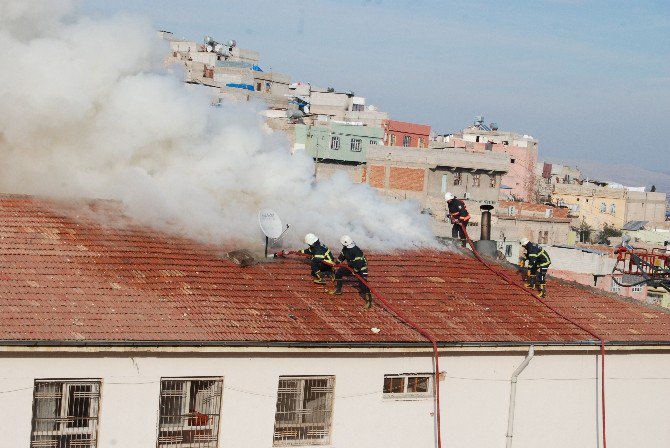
(190, 411)
(65, 414)
(304, 410)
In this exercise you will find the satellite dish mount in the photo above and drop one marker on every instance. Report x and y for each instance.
(271, 227)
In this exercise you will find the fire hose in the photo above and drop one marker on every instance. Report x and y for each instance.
(512, 282)
(405, 319)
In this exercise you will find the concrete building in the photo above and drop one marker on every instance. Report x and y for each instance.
(522, 150)
(598, 205)
(550, 174)
(540, 223)
(141, 339)
(407, 135)
(427, 174)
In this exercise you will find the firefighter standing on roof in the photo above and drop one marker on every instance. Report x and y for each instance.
(322, 258)
(458, 215)
(538, 265)
(356, 260)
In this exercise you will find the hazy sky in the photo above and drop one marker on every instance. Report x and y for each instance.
(589, 79)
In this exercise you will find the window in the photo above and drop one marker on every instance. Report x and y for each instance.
(356, 144)
(511, 161)
(65, 414)
(476, 179)
(392, 139)
(258, 87)
(443, 187)
(615, 287)
(458, 178)
(406, 140)
(613, 209)
(304, 410)
(374, 142)
(409, 385)
(421, 144)
(189, 412)
(492, 181)
(358, 107)
(335, 142)
(603, 207)
(637, 288)
(267, 87)
(508, 250)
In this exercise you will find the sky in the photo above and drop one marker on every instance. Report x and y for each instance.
(589, 79)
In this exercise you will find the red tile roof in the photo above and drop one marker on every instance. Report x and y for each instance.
(67, 278)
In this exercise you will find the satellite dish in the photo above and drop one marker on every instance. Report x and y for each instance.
(271, 226)
(270, 223)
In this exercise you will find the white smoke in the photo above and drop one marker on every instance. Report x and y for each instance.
(88, 111)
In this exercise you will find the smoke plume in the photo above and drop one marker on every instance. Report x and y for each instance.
(89, 111)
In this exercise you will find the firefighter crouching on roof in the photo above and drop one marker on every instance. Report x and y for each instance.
(458, 215)
(322, 258)
(538, 265)
(355, 258)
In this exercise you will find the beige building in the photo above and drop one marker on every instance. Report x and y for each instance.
(597, 205)
(427, 174)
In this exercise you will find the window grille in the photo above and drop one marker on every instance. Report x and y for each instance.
(392, 139)
(334, 142)
(613, 209)
(603, 207)
(476, 180)
(356, 144)
(304, 410)
(406, 140)
(421, 142)
(458, 178)
(615, 287)
(190, 410)
(65, 414)
(492, 181)
(411, 385)
(374, 142)
(637, 288)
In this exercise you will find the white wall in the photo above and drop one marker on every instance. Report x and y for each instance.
(557, 398)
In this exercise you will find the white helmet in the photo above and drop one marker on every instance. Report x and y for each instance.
(310, 239)
(448, 196)
(524, 241)
(347, 241)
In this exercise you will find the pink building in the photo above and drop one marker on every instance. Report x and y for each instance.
(400, 133)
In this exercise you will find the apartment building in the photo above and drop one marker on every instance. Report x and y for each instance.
(407, 135)
(600, 205)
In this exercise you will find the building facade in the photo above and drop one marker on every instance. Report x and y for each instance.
(407, 135)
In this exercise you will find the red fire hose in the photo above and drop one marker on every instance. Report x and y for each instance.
(400, 315)
(587, 330)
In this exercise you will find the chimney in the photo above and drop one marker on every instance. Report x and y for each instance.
(485, 246)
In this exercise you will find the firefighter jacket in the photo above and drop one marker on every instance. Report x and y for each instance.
(355, 259)
(457, 211)
(537, 257)
(319, 251)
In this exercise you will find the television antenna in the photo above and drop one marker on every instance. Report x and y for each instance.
(271, 226)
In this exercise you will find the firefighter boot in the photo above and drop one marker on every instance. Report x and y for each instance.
(543, 291)
(368, 301)
(319, 279)
(338, 288)
(528, 282)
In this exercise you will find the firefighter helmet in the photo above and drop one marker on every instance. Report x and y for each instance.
(347, 241)
(448, 196)
(524, 241)
(310, 239)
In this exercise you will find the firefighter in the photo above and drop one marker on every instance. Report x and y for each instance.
(322, 258)
(458, 215)
(538, 265)
(355, 259)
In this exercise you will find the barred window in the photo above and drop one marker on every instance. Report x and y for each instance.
(615, 286)
(190, 410)
(304, 410)
(65, 414)
(409, 385)
(492, 181)
(335, 142)
(458, 178)
(406, 140)
(476, 180)
(392, 139)
(356, 144)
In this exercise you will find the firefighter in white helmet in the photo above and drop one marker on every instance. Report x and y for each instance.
(322, 259)
(356, 260)
(538, 265)
(458, 215)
